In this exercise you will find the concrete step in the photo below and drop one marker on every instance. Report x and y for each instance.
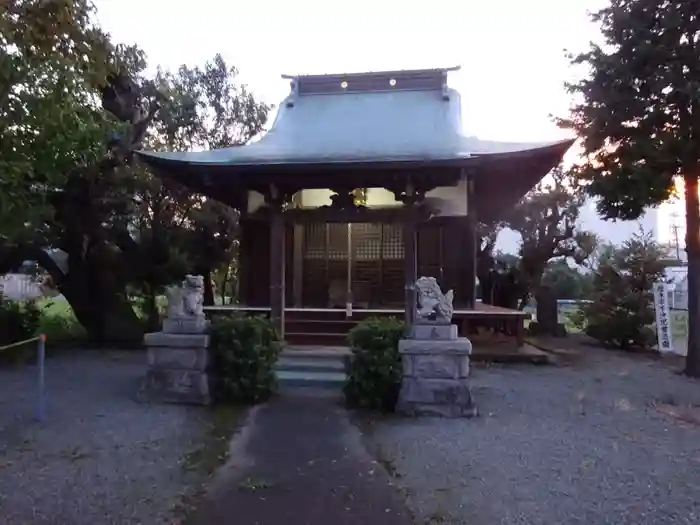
(312, 367)
(310, 363)
(307, 379)
(332, 352)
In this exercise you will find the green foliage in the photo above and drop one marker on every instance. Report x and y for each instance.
(622, 309)
(21, 320)
(204, 107)
(244, 352)
(547, 219)
(567, 282)
(18, 320)
(59, 324)
(639, 103)
(73, 108)
(374, 370)
(207, 108)
(53, 61)
(225, 279)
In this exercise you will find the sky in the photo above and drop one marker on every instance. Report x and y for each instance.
(511, 51)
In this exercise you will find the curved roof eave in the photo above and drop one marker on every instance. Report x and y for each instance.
(474, 151)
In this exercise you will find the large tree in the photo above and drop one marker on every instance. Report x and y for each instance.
(207, 108)
(70, 116)
(547, 219)
(637, 109)
(73, 107)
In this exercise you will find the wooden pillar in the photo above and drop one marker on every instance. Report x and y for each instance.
(297, 285)
(470, 247)
(241, 292)
(277, 263)
(410, 267)
(410, 256)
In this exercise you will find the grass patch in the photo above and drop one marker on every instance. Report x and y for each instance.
(59, 323)
(214, 450)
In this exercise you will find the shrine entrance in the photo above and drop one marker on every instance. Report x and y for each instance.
(344, 265)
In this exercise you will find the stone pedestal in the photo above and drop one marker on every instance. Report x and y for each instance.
(178, 359)
(435, 372)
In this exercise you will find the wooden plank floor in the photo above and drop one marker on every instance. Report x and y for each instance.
(480, 309)
(526, 354)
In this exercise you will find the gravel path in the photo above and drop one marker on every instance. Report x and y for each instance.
(612, 440)
(101, 457)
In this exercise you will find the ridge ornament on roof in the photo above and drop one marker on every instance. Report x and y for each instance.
(370, 82)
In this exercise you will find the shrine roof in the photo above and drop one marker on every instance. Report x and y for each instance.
(358, 118)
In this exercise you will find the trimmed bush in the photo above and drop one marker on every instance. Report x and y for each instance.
(244, 352)
(374, 370)
(621, 313)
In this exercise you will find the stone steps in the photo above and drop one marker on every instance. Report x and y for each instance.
(315, 338)
(311, 368)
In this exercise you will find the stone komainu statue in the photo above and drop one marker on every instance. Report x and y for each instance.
(186, 300)
(433, 305)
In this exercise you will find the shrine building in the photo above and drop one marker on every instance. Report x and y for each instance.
(363, 182)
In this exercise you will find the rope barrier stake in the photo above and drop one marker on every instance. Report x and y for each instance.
(41, 357)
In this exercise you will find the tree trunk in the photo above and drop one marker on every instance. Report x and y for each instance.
(98, 304)
(692, 243)
(522, 302)
(208, 290)
(105, 313)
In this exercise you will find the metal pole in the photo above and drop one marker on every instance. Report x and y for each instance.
(41, 356)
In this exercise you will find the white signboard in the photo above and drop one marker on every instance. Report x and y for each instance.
(663, 321)
(679, 331)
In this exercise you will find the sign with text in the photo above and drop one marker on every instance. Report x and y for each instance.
(663, 318)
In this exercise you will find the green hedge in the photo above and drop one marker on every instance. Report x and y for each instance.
(244, 352)
(374, 369)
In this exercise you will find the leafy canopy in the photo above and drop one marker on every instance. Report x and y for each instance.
(638, 108)
(53, 62)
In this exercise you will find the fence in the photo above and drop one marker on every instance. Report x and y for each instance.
(565, 307)
(19, 287)
(40, 362)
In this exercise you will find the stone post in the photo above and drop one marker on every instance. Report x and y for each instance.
(435, 360)
(178, 356)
